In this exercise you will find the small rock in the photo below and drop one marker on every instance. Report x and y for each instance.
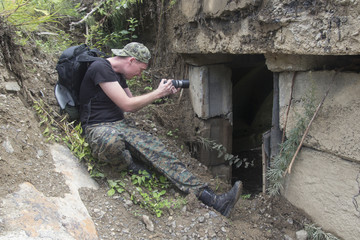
(301, 235)
(149, 224)
(8, 147)
(286, 237)
(212, 234)
(213, 214)
(183, 209)
(201, 219)
(128, 203)
(40, 153)
(12, 87)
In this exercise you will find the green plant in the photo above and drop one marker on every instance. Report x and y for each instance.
(280, 163)
(25, 14)
(222, 151)
(68, 132)
(316, 233)
(115, 186)
(109, 28)
(246, 196)
(102, 38)
(149, 192)
(171, 133)
(148, 88)
(137, 83)
(172, 3)
(37, 19)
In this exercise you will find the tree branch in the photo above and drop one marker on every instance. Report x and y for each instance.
(73, 24)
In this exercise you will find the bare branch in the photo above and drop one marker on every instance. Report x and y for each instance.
(73, 24)
(308, 127)
(19, 6)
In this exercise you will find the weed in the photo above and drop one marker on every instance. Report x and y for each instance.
(115, 186)
(221, 150)
(280, 163)
(38, 18)
(149, 192)
(171, 133)
(67, 132)
(316, 233)
(246, 196)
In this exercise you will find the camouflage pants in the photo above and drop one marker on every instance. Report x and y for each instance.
(109, 143)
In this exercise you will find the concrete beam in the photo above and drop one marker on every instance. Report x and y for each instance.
(211, 90)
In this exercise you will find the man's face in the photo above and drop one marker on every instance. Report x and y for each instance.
(135, 68)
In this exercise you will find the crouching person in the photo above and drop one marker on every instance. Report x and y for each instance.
(105, 96)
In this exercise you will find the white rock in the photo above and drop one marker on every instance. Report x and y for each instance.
(149, 224)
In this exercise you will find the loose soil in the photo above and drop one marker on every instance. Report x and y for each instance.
(25, 157)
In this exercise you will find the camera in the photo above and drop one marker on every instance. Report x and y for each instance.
(180, 83)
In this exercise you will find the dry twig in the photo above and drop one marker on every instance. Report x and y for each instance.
(308, 127)
(87, 16)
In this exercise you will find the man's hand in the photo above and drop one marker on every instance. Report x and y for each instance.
(166, 87)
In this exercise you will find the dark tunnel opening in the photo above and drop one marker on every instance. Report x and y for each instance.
(252, 113)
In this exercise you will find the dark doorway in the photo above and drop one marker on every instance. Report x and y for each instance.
(252, 114)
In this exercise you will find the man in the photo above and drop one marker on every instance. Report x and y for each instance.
(105, 96)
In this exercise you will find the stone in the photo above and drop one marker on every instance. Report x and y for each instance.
(12, 87)
(301, 235)
(148, 223)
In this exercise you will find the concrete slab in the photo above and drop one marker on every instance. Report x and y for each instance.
(336, 127)
(325, 187)
(29, 214)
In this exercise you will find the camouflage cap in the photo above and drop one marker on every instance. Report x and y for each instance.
(136, 50)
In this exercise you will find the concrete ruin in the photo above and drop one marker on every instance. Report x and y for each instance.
(238, 52)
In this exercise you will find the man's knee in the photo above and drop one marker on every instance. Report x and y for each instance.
(106, 145)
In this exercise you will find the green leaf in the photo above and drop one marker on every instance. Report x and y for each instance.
(111, 192)
(112, 183)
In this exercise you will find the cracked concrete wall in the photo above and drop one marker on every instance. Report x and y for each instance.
(308, 37)
(267, 26)
(324, 178)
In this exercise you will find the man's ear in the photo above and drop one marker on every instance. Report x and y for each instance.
(132, 59)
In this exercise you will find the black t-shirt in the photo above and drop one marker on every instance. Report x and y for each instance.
(95, 105)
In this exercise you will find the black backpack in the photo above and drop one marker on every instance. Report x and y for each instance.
(71, 67)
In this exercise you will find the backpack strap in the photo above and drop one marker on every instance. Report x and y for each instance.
(86, 58)
(96, 52)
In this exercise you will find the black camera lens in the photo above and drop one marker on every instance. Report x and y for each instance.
(181, 83)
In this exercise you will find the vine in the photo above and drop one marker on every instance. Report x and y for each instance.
(222, 151)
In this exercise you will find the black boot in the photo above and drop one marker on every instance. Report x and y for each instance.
(135, 167)
(138, 168)
(223, 203)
